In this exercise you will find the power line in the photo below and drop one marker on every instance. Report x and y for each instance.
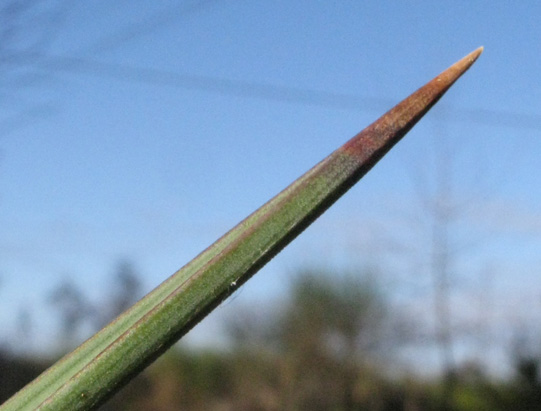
(57, 15)
(237, 88)
(245, 89)
(160, 19)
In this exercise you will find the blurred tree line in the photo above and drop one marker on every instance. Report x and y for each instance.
(330, 345)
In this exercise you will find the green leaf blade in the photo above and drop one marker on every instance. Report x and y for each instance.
(85, 378)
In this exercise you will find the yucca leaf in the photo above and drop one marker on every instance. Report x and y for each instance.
(89, 375)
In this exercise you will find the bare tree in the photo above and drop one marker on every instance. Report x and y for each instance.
(444, 208)
(75, 310)
(126, 290)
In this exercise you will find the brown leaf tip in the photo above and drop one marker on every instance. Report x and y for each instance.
(372, 143)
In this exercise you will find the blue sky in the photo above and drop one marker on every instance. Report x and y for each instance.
(144, 130)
